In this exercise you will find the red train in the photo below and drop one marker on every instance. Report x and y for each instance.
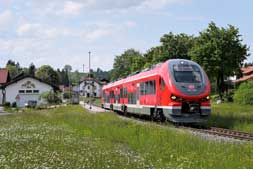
(177, 90)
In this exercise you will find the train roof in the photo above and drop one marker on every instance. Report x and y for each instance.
(148, 72)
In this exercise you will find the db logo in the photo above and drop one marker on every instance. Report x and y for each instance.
(191, 86)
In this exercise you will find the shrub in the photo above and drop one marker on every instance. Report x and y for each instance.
(244, 94)
(229, 96)
(51, 97)
(66, 95)
(14, 104)
(7, 104)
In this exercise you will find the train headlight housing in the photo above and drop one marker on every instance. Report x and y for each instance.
(175, 98)
(207, 98)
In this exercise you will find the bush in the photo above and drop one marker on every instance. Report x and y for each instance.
(7, 104)
(229, 96)
(14, 104)
(244, 94)
(67, 95)
(51, 97)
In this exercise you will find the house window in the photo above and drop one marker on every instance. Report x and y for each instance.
(21, 91)
(36, 91)
(29, 91)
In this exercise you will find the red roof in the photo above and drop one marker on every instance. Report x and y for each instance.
(244, 78)
(247, 70)
(4, 74)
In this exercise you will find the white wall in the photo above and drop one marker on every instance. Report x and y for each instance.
(85, 89)
(13, 90)
(1, 97)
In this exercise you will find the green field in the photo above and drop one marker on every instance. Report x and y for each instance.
(232, 116)
(96, 101)
(69, 137)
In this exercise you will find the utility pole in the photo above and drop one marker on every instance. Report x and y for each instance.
(89, 77)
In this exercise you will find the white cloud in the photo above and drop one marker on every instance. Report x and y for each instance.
(72, 8)
(75, 7)
(96, 34)
(157, 4)
(130, 24)
(5, 19)
(190, 18)
(25, 28)
(87, 33)
(39, 31)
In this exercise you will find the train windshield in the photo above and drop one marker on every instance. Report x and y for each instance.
(187, 74)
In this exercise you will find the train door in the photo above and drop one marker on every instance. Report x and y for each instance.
(117, 96)
(138, 94)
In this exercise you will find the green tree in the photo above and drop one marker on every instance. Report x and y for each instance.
(172, 46)
(220, 52)
(48, 74)
(75, 77)
(32, 69)
(127, 63)
(67, 68)
(13, 68)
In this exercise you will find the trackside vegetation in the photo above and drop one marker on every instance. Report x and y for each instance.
(244, 94)
(232, 116)
(69, 137)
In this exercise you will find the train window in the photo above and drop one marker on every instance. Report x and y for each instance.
(187, 74)
(142, 88)
(117, 98)
(162, 84)
(132, 98)
(148, 87)
(121, 93)
(111, 94)
(124, 92)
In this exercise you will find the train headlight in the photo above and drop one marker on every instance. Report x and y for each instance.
(175, 98)
(207, 98)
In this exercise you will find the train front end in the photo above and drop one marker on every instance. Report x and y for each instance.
(189, 92)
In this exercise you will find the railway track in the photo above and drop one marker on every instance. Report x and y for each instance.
(227, 133)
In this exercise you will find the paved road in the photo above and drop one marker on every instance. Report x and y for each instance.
(92, 109)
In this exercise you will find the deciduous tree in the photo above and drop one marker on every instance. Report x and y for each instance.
(48, 74)
(127, 63)
(220, 52)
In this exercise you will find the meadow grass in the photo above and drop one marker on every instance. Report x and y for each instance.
(96, 101)
(69, 137)
(232, 116)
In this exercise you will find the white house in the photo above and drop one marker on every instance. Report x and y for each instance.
(1, 96)
(26, 89)
(90, 87)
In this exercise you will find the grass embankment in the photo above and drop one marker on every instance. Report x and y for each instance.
(232, 116)
(69, 137)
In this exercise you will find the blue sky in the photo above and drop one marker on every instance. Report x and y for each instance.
(60, 32)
